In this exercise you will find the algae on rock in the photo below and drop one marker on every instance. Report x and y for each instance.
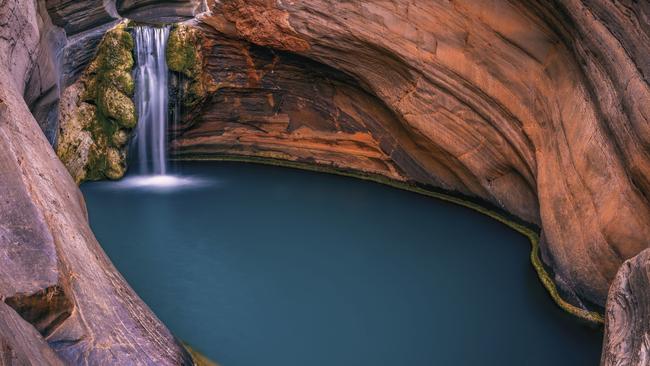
(97, 114)
(184, 56)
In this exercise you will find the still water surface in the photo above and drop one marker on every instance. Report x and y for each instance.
(257, 265)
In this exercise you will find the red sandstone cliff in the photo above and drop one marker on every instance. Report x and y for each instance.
(535, 106)
(538, 107)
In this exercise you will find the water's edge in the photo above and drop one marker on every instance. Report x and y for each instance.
(592, 317)
(197, 357)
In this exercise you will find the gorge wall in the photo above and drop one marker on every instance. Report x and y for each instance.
(537, 107)
(62, 301)
(533, 106)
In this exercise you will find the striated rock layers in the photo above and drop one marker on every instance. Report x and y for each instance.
(627, 325)
(538, 107)
(62, 301)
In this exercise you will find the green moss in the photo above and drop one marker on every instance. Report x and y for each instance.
(120, 79)
(90, 92)
(198, 358)
(96, 165)
(115, 51)
(183, 51)
(184, 56)
(120, 137)
(116, 105)
(109, 85)
(115, 163)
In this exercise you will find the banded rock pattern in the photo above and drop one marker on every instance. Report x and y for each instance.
(533, 106)
(536, 106)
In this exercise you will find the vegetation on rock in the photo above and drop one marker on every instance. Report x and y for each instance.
(184, 57)
(97, 122)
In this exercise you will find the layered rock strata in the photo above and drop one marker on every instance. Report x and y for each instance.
(537, 107)
(159, 10)
(278, 105)
(533, 106)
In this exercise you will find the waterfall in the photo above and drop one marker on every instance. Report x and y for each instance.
(149, 152)
(151, 99)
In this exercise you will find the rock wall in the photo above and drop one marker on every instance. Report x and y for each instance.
(275, 104)
(97, 115)
(627, 325)
(538, 107)
(157, 10)
(62, 301)
(533, 106)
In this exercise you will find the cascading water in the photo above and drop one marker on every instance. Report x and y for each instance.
(152, 103)
(151, 99)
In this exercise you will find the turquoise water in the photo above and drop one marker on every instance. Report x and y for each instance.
(257, 265)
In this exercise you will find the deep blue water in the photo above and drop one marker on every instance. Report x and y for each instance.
(271, 266)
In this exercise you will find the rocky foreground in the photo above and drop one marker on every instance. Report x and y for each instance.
(536, 107)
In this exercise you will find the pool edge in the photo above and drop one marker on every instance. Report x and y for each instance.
(592, 317)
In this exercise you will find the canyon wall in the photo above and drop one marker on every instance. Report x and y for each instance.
(536, 107)
(63, 302)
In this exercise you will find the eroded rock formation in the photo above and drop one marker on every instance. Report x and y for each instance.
(62, 301)
(266, 103)
(627, 327)
(537, 107)
(97, 115)
(533, 106)
(159, 10)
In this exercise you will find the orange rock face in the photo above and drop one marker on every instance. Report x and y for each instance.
(539, 107)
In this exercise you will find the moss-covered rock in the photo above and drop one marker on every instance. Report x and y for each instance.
(115, 163)
(184, 57)
(120, 137)
(184, 51)
(99, 116)
(116, 105)
(116, 50)
(120, 79)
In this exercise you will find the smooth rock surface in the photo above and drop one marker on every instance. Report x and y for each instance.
(21, 344)
(62, 299)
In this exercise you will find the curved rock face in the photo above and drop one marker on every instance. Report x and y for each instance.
(539, 107)
(63, 302)
(534, 106)
(627, 324)
(157, 10)
(287, 107)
